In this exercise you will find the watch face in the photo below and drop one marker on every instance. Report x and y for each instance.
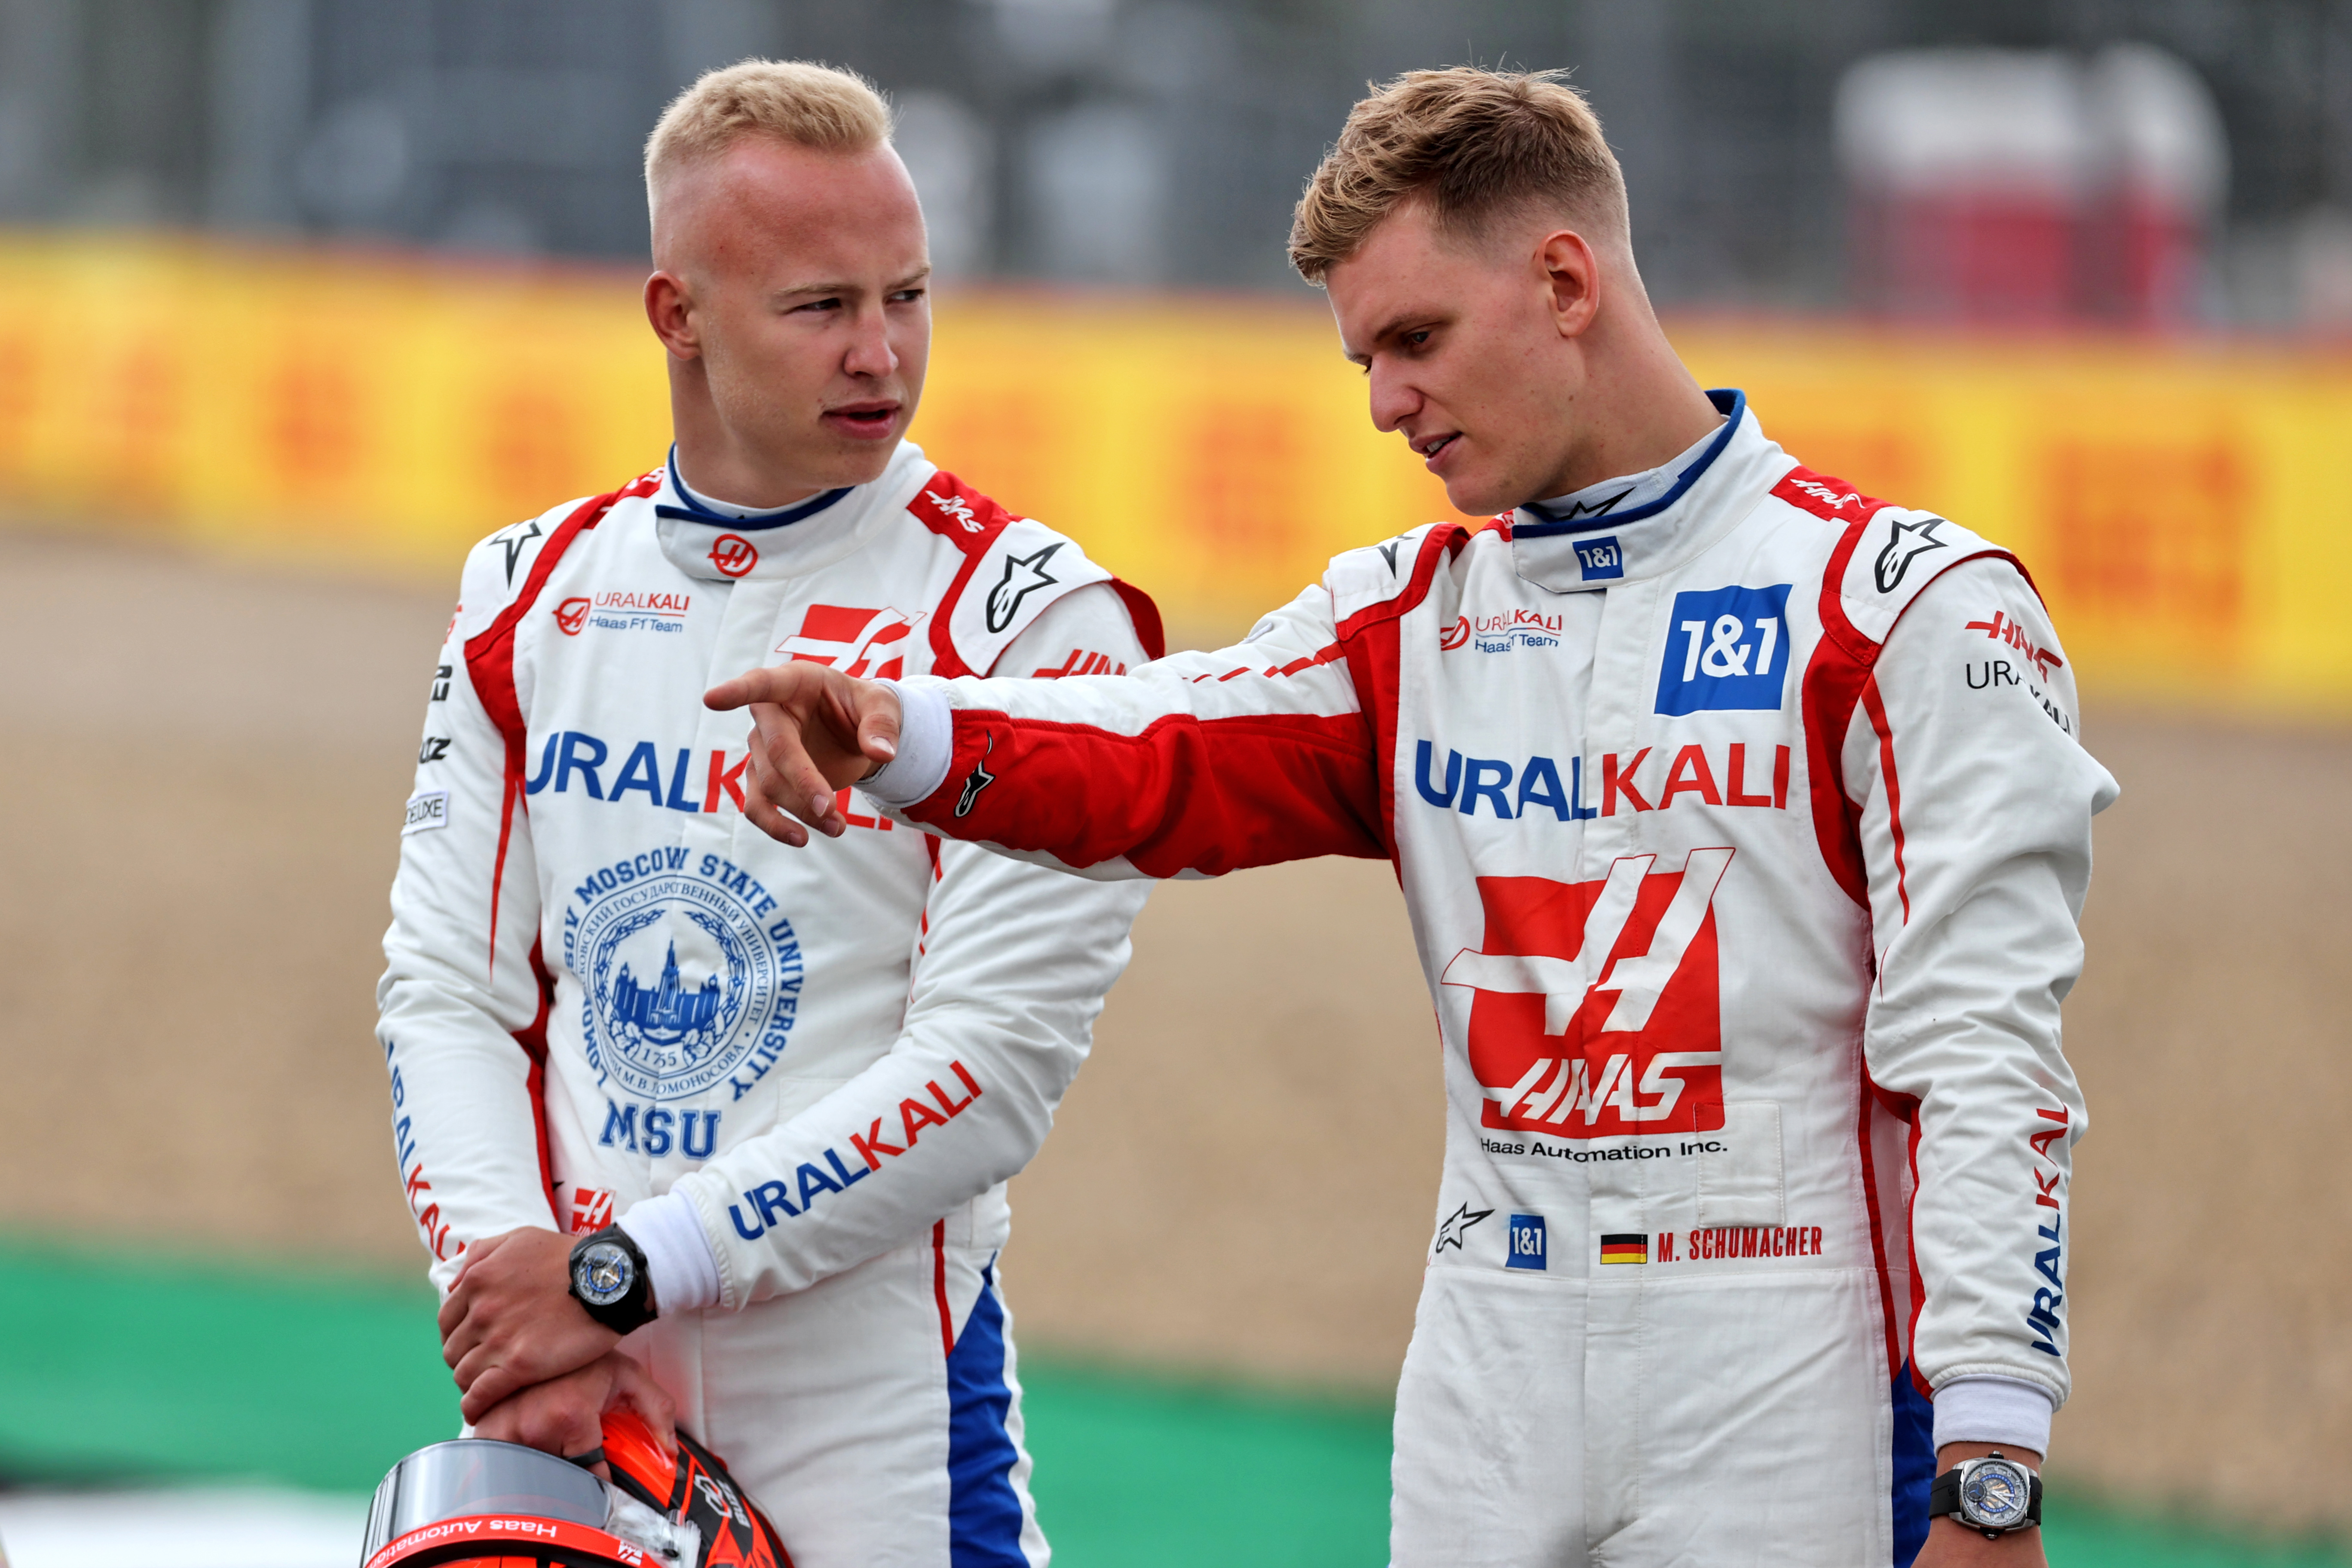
(1996, 1494)
(603, 1273)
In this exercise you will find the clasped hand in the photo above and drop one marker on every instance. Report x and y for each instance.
(533, 1367)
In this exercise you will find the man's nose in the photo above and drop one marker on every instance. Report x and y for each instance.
(1394, 397)
(870, 353)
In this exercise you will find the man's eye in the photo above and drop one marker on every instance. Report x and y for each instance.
(905, 296)
(831, 304)
(1418, 339)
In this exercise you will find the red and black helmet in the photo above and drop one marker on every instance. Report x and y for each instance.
(475, 1503)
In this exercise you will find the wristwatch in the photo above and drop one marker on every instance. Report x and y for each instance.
(1994, 1495)
(609, 1278)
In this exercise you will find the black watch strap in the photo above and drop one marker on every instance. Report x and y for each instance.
(624, 1304)
(1943, 1500)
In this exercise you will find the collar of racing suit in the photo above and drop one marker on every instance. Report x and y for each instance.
(1625, 530)
(717, 542)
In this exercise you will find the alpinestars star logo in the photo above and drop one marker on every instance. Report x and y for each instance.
(1910, 541)
(1581, 509)
(1595, 1009)
(1024, 575)
(513, 540)
(1449, 1233)
(979, 779)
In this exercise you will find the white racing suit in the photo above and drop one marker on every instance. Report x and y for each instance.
(606, 985)
(1743, 831)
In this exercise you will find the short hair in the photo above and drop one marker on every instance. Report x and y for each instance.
(1479, 145)
(799, 101)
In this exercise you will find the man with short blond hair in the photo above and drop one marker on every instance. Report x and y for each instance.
(1744, 829)
(687, 1122)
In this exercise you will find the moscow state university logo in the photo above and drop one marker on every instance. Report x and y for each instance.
(691, 976)
(1595, 1009)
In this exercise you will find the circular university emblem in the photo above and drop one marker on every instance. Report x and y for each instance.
(681, 976)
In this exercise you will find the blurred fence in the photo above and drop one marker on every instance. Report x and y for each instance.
(2178, 499)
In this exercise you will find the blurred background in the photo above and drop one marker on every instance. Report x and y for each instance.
(298, 297)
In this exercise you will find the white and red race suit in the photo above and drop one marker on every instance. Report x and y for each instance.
(1743, 829)
(799, 1080)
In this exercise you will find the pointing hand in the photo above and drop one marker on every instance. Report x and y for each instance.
(815, 733)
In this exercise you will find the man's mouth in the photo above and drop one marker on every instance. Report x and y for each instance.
(1429, 446)
(871, 419)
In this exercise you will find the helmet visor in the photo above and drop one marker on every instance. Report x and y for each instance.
(471, 1477)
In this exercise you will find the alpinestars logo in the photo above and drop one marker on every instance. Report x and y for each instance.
(1595, 1011)
(1575, 509)
(512, 540)
(1909, 542)
(979, 779)
(1449, 1232)
(871, 644)
(1024, 575)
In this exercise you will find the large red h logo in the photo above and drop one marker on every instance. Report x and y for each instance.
(1596, 1009)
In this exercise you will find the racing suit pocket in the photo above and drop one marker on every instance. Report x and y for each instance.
(1739, 1180)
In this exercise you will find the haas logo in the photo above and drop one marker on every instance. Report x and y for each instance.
(1454, 635)
(734, 554)
(1594, 1011)
(854, 641)
(956, 507)
(571, 616)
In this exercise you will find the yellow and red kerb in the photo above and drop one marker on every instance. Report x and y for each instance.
(1625, 1248)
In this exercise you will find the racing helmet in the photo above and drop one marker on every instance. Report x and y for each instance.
(473, 1502)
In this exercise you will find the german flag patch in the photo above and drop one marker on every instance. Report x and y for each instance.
(1632, 1248)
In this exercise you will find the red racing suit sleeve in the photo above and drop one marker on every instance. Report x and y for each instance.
(1201, 764)
(462, 1006)
(1975, 800)
(1011, 975)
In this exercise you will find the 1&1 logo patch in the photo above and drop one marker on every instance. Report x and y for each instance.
(1600, 559)
(1526, 1242)
(1725, 648)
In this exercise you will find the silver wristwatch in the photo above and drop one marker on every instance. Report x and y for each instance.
(1993, 1495)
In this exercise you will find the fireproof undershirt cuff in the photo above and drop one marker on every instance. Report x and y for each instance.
(926, 746)
(684, 1269)
(2004, 1410)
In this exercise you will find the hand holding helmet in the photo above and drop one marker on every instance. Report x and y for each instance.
(478, 1502)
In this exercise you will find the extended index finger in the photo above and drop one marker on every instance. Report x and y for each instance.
(772, 683)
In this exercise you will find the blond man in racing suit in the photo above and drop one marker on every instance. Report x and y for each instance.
(684, 1120)
(1743, 826)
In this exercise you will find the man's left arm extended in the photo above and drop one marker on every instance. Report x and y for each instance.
(1009, 974)
(1977, 798)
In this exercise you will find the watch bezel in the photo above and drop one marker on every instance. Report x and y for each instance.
(1968, 1487)
(632, 1306)
(584, 1263)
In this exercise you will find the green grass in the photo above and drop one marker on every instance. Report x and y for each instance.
(165, 1369)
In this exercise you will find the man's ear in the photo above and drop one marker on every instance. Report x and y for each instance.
(1573, 277)
(669, 308)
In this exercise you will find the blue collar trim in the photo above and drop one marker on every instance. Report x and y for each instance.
(697, 511)
(1729, 402)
